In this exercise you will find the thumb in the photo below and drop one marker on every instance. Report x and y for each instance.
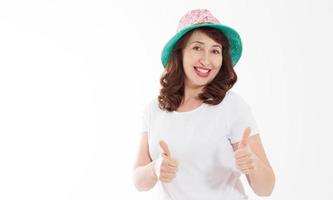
(165, 148)
(245, 138)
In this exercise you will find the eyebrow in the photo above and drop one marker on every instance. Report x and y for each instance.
(215, 45)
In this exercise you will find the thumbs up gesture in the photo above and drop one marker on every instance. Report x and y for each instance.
(166, 167)
(244, 157)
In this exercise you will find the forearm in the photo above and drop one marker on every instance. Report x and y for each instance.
(144, 177)
(262, 179)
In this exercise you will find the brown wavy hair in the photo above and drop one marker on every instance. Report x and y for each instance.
(172, 79)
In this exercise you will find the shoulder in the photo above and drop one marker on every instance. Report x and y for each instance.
(232, 95)
(233, 99)
(235, 104)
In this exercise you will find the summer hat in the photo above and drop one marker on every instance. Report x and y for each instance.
(203, 18)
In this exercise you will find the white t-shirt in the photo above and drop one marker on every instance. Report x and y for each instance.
(200, 140)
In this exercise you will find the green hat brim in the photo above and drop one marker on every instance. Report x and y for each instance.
(233, 37)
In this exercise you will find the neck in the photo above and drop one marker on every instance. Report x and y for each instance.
(191, 94)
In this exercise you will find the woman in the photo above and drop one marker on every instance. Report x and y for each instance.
(198, 137)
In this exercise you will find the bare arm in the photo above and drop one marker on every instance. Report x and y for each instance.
(143, 175)
(262, 179)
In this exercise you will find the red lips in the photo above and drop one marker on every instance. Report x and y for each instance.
(200, 74)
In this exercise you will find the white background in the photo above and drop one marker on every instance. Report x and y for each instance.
(75, 75)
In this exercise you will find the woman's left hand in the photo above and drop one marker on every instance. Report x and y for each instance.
(245, 159)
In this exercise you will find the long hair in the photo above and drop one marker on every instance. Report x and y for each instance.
(172, 79)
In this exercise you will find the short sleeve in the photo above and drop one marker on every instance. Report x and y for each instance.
(145, 118)
(239, 117)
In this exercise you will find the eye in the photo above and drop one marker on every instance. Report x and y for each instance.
(196, 48)
(216, 51)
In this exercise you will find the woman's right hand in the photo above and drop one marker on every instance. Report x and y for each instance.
(165, 167)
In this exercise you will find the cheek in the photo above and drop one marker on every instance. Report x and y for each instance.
(218, 62)
(188, 57)
(188, 61)
(186, 65)
(217, 68)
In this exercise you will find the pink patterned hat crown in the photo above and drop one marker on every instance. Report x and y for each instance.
(198, 16)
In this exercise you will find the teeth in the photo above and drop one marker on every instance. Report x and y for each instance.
(202, 70)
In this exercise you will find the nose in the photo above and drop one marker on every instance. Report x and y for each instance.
(204, 60)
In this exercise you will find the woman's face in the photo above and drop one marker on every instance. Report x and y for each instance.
(201, 53)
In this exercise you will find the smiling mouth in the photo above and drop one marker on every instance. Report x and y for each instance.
(202, 71)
